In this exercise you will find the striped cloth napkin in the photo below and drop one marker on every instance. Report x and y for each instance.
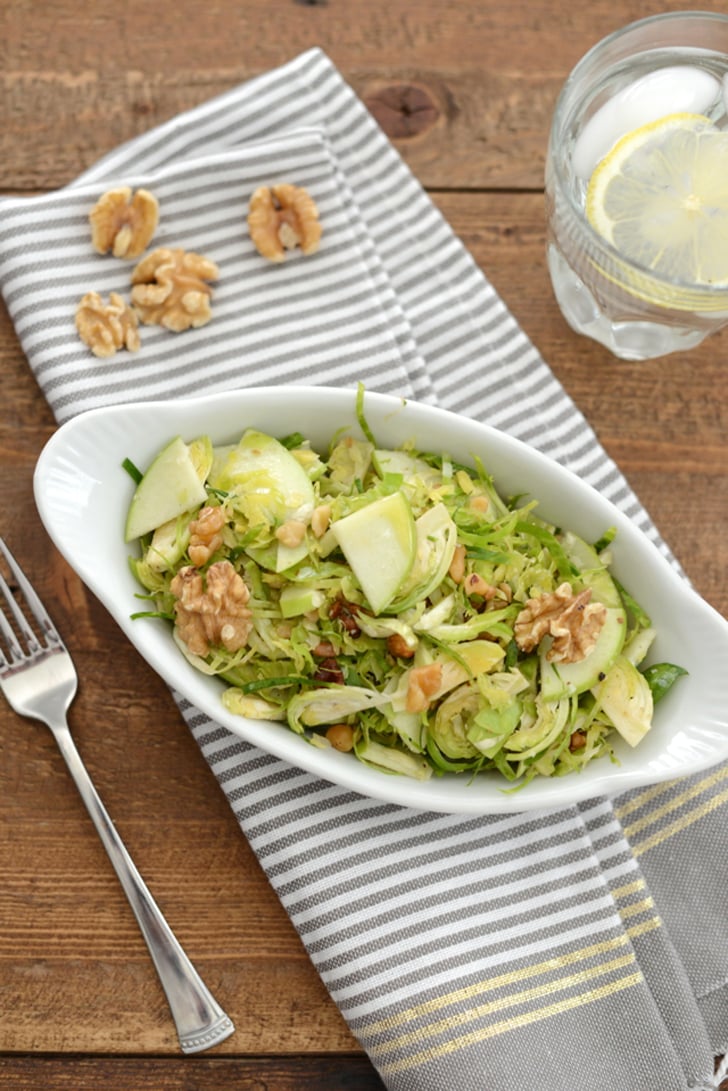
(582, 948)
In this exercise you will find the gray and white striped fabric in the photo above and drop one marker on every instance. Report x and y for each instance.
(584, 948)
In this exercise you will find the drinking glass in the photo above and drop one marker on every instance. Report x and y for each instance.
(663, 65)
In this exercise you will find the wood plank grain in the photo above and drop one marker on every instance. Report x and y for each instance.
(74, 974)
(492, 72)
(509, 148)
(343, 1073)
(206, 1073)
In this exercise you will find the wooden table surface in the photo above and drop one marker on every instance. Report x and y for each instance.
(466, 92)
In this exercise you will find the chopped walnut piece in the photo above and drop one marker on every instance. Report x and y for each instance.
(457, 565)
(345, 612)
(320, 520)
(170, 289)
(324, 650)
(505, 592)
(124, 224)
(329, 670)
(106, 327)
(206, 534)
(422, 684)
(476, 585)
(397, 645)
(291, 534)
(212, 611)
(282, 217)
(572, 620)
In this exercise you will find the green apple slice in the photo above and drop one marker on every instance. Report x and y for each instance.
(415, 472)
(170, 487)
(171, 539)
(566, 679)
(270, 486)
(297, 599)
(380, 543)
(269, 482)
(436, 537)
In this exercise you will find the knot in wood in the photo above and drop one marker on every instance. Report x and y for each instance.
(403, 110)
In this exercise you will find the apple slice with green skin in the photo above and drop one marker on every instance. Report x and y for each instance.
(272, 486)
(409, 466)
(566, 679)
(171, 539)
(170, 487)
(436, 537)
(270, 482)
(297, 599)
(379, 542)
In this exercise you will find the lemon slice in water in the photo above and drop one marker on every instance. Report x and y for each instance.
(660, 197)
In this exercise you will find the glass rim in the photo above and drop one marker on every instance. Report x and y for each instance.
(696, 291)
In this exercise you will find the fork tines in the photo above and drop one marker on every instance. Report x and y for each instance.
(35, 642)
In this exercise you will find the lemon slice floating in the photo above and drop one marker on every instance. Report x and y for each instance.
(660, 197)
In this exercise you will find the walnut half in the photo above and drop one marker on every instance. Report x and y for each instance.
(573, 621)
(206, 534)
(124, 224)
(170, 289)
(106, 327)
(282, 217)
(212, 610)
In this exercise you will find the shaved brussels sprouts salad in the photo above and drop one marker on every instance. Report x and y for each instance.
(391, 603)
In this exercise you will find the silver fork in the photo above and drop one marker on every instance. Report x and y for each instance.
(39, 680)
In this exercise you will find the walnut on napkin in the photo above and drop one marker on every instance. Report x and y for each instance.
(106, 327)
(122, 223)
(171, 289)
(282, 217)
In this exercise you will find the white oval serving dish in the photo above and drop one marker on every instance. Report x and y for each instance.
(83, 493)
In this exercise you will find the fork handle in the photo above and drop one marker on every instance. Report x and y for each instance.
(200, 1021)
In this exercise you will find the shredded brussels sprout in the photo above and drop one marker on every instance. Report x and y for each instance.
(404, 627)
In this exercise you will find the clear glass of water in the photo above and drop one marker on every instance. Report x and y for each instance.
(639, 289)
